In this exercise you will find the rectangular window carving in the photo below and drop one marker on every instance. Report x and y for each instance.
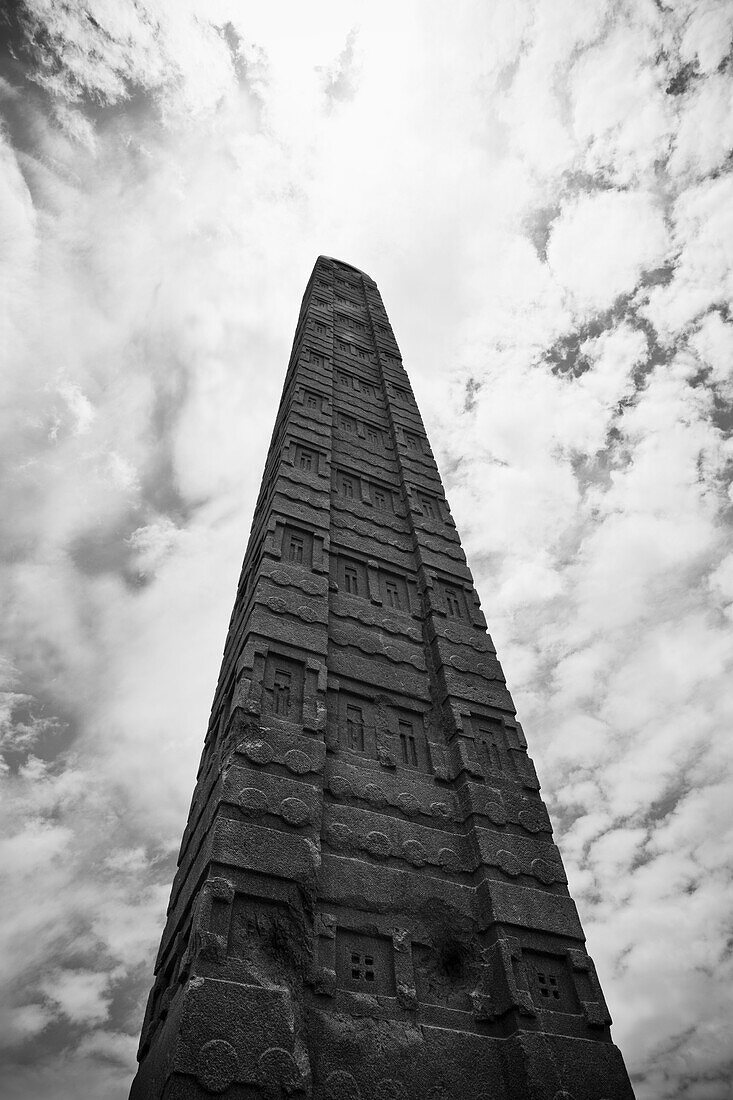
(347, 423)
(281, 692)
(306, 459)
(373, 437)
(413, 442)
(298, 546)
(429, 507)
(346, 486)
(312, 400)
(393, 594)
(382, 500)
(366, 388)
(550, 982)
(394, 591)
(320, 328)
(454, 606)
(491, 744)
(283, 687)
(364, 963)
(255, 924)
(351, 718)
(408, 744)
(362, 967)
(295, 549)
(354, 728)
(351, 577)
(342, 378)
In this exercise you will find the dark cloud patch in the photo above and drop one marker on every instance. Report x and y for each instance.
(538, 225)
(31, 726)
(592, 471)
(682, 79)
(565, 356)
(341, 78)
(107, 549)
(472, 388)
(51, 58)
(250, 67)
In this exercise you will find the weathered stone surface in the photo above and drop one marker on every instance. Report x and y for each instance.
(368, 903)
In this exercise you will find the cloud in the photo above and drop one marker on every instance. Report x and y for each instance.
(705, 131)
(620, 112)
(601, 243)
(81, 995)
(703, 272)
(541, 191)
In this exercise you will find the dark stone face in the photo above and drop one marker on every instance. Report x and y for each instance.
(368, 904)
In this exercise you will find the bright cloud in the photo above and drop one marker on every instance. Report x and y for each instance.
(541, 189)
(601, 244)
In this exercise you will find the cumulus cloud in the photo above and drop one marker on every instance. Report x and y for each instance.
(601, 244)
(541, 191)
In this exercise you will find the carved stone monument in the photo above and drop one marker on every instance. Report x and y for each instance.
(368, 904)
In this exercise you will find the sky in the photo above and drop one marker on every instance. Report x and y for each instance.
(542, 191)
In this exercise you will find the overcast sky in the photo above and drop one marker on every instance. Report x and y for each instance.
(540, 188)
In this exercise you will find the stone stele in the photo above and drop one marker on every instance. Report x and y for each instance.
(369, 904)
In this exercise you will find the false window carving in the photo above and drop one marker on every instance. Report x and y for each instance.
(352, 722)
(408, 744)
(550, 982)
(362, 967)
(346, 485)
(312, 400)
(283, 687)
(306, 459)
(298, 547)
(413, 442)
(394, 592)
(382, 499)
(295, 549)
(492, 747)
(429, 507)
(351, 577)
(364, 964)
(354, 728)
(454, 604)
